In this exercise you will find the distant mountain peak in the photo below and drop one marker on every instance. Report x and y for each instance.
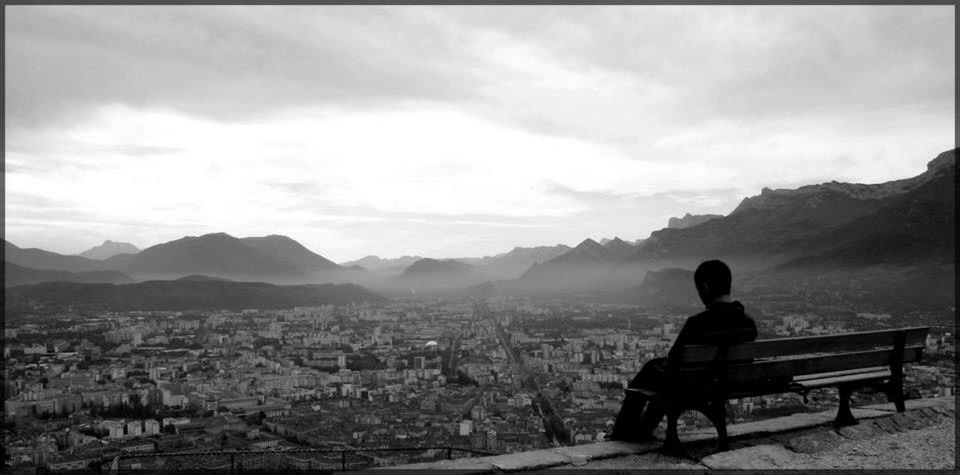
(588, 243)
(109, 249)
(612, 242)
(430, 265)
(944, 161)
(215, 236)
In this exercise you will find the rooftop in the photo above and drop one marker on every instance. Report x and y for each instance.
(920, 438)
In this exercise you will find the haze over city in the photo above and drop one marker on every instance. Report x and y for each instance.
(451, 131)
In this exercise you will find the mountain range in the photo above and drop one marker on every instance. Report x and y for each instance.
(909, 222)
(276, 259)
(812, 229)
(192, 294)
(18, 275)
(383, 266)
(512, 264)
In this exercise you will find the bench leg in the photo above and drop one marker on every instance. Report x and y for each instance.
(844, 415)
(671, 445)
(718, 416)
(895, 392)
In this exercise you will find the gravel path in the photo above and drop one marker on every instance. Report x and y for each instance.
(928, 448)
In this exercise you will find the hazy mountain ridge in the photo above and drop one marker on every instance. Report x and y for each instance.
(618, 249)
(39, 259)
(767, 230)
(18, 275)
(182, 295)
(109, 249)
(586, 266)
(914, 227)
(429, 266)
(670, 287)
(522, 255)
(216, 254)
(375, 264)
(512, 264)
(689, 220)
(291, 252)
(429, 274)
(902, 222)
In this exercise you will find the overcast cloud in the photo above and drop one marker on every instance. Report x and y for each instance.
(452, 131)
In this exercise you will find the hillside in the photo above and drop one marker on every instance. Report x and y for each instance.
(667, 288)
(689, 220)
(589, 265)
(284, 249)
(435, 274)
(915, 227)
(781, 225)
(45, 260)
(19, 275)
(216, 255)
(181, 295)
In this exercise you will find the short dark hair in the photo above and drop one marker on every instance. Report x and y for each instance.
(716, 275)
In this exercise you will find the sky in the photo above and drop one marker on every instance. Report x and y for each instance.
(451, 131)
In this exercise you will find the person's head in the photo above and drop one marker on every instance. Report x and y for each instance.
(712, 279)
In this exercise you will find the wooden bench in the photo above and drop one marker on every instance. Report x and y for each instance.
(704, 377)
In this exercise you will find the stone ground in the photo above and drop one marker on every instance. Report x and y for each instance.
(928, 448)
(923, 437)
(931, 447)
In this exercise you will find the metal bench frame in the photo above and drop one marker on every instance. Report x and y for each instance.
(880, 368)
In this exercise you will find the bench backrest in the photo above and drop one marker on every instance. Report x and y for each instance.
(783, 357)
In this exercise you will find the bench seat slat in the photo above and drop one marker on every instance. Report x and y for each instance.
(835, 380)
(779, 347)
(839, 373)
(791, 368)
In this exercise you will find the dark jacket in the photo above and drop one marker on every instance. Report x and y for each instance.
(720, 323)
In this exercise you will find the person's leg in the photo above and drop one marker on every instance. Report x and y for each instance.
(651, 418)
(626, 426)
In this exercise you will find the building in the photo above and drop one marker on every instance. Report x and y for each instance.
(114, 429)
(151, 427)
(134, 428)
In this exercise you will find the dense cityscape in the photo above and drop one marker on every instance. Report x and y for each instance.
(496, 376)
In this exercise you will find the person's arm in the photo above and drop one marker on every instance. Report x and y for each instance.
(751, 328)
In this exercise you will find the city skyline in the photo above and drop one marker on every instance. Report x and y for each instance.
(452, 131)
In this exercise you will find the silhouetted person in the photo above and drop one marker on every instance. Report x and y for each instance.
(723, 322)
